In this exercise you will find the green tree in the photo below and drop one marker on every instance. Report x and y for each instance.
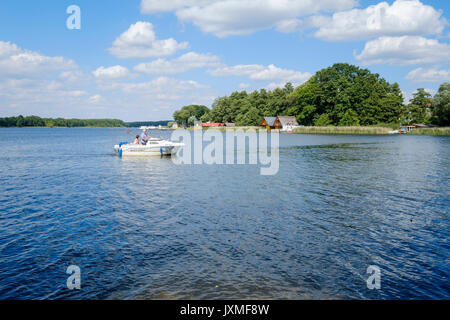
(340, 91)
(342, 87)
(419, 108)
(306, 117)
(182, 116)
(251, 118)
(441, 105)
(350, 118)
(20, 121)
(323, 120)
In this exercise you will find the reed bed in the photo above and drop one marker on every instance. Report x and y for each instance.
(343, 130)
(443, 131)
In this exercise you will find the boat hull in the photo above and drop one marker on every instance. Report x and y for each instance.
(167, 149)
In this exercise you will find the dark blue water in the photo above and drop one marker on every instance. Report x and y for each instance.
(146, 228)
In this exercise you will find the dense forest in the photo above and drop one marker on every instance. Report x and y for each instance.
(147, 123)
(341, 95)
(189, 114)
(34, 121)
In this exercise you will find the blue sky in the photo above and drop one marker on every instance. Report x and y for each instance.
(144, 59)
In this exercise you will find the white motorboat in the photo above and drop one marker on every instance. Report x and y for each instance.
(154, 147)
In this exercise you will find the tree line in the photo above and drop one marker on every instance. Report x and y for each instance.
(341, 95)
(136, 124)
(35, 121)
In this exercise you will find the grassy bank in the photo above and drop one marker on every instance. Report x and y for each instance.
(444, 131)
(343, 130)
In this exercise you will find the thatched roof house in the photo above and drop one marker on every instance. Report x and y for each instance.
(288, 122)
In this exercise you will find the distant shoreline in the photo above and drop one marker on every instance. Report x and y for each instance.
(439, 131)
(337, 130)
(38, 122)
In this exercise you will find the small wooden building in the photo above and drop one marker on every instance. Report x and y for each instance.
(270, 123)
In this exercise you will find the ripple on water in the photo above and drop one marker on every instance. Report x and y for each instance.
(149, 229)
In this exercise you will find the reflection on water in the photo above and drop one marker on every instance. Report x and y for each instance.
(149, 229)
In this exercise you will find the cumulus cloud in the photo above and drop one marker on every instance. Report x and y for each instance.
(73, 77)
(404, 50)
(29, 79)
(162, 85)
(403, 17)
(115, 72)
(260, 72)
(163, 90)
(237, 70)
(95, 99)
(29, 92)
(15, 61)
(234, 17)
(140, 41)
(187, 61)
(154, 6)
(294, 25)
(428, 75)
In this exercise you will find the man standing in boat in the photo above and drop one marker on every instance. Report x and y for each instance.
(144, 137)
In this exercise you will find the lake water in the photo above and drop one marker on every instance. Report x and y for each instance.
(145, 228)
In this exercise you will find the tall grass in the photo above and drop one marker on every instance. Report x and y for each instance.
(444, 131)
(342, 130)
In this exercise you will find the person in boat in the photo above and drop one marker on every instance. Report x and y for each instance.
(136, 141)
(144, 137)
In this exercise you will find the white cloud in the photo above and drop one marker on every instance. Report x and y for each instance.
(271, 72)
(139, 41)
(187, 61)
(30, 92)
(95, 99)
(404, 50)
(237, 70)
(33, 81)
(73, 77)
(158, 88)
(154, 6)
(294, 25)
(115, 72)
(15, 61)
(403, 17)
(260, 72)
(428, 75)
(233, 17)
(162, 86)
(290, 25)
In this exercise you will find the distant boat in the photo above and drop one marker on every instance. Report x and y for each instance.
(154, 147)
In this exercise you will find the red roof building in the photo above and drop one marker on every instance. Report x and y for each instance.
(213, 124)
